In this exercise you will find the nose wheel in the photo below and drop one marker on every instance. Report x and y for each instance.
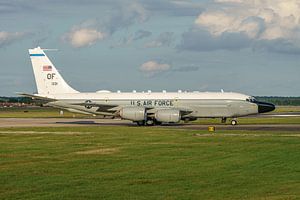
(233, 122)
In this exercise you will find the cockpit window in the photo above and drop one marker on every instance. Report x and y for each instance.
(251, 99)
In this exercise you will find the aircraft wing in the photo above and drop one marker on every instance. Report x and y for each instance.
(107, 108)
(101, 107)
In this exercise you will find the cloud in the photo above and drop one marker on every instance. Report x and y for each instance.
(153, 67)
(174, 7)
(83, 37)
(141, 34)
(218, 23)
(164, 39)
(7, 38)
(93, 30)
(138, 35)
(124, 16)
(202, 40)
(256, 23)
(278, 46)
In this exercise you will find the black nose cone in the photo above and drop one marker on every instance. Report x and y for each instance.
(265, 107)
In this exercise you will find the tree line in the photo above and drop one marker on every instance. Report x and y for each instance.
(281, 101)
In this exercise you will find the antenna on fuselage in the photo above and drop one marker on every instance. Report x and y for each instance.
(48, 49)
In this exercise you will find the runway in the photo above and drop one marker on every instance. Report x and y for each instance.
(70, 122)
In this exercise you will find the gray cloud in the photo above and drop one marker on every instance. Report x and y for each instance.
(138, 35)
(7, 38)
(201, 40)
(91, 31)
(278, 46)
(141, 34)
(164, 39)
(124, 16)
(174, 7)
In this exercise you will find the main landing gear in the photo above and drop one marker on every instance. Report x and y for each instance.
(148, 122)
(233, 121)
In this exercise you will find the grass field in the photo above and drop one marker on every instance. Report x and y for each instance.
(147, 163)
(287, 109)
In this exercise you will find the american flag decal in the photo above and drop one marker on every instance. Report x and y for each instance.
(47, 68)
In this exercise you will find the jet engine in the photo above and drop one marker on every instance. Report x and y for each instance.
(133, 113)
(168, 116)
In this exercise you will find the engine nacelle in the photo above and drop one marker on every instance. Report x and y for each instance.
(168, 116)
(133, 113)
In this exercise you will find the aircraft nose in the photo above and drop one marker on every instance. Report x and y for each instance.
(264, 107)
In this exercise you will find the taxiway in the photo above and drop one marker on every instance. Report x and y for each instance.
(69, 122)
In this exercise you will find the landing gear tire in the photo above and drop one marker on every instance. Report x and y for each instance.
(233, 122)
(150, 122)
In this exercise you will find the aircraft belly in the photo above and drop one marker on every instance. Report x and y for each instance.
(195, 108)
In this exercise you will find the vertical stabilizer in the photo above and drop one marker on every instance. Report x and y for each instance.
(47, 78)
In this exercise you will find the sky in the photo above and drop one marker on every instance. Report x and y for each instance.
(247, 46)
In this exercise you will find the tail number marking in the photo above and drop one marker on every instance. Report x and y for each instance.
(50, 76)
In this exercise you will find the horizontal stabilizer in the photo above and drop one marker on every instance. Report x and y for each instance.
(34, 96)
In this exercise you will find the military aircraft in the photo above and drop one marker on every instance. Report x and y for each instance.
(143, 108)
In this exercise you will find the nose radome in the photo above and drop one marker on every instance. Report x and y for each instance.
(264, 107)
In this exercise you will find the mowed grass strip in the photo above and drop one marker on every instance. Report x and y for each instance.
(37, 112)
(147, 163)
(280, 109)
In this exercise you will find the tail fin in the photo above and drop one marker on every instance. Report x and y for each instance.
(47, 78)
